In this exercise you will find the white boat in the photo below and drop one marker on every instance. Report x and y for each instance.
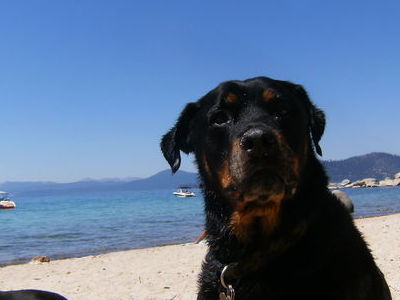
(184, 192)
(5, 201)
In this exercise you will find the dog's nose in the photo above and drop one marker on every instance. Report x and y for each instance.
(258, 142)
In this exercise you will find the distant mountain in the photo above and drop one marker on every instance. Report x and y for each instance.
(43, 188)
(164, 179)
(161, 180)
(16, 186)
(116, 179)
(376, 165)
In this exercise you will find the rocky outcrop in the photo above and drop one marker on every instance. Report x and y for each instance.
(390, 182)
(345, 182)
(368, 182)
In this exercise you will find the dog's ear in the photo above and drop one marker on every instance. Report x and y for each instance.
(317, 126)
(317, 119)
(179, 137)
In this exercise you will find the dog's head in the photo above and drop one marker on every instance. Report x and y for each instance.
(251, 140)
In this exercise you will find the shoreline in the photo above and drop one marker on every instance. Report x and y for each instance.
(27, 260)
(170, 271)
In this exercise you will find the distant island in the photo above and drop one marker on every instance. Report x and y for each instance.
(376, 166)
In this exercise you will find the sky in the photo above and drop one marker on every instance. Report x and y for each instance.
(88, 87)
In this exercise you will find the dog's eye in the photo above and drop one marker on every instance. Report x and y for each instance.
(279, 116)
(220, 118)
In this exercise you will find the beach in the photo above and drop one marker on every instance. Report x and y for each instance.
(169, 272)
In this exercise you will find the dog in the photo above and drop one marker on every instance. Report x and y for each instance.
(274, 231)
(30, 295)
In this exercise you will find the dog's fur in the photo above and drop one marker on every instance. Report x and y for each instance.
(269, 214)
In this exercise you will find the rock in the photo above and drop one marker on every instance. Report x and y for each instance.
(344, 199)
(358, 183)
(40, 259)
(387, 182)
(345, 182)
(366, 182)
(370, 182)
(332, 186)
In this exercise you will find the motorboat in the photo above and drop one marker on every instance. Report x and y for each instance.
(184, 192)
(5, 201)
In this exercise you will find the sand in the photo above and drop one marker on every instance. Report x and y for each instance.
(168, 272)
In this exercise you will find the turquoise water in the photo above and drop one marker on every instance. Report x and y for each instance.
(78, 225)
(369, 202)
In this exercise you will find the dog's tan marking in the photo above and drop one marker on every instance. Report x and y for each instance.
(236, 160)
(231, 98)
(269, 94)
(206, 166)
(224, 175)
(280, 138)
(299, 161)
(266, 212)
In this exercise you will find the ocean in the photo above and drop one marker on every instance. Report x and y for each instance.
(77, 225)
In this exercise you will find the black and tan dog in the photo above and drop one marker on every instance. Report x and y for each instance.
(269, 216)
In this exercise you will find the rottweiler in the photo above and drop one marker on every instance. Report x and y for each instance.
(274, 231)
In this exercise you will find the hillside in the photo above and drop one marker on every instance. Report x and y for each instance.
(48, 188)
(163, 180)
(375, 165)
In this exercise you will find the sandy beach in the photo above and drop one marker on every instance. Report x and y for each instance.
(168, 272)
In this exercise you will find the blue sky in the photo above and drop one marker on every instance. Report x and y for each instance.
(88, 87)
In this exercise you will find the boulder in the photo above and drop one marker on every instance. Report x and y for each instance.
(358, 183)
(344, 199)
(397, 176)
(366, 182)
(386, 182)
(332, 186)
(370, 182)
(345, 182)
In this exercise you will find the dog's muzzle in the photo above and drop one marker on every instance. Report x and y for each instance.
(258, 143)
(255, 164)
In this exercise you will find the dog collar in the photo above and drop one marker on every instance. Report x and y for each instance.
(229, 294)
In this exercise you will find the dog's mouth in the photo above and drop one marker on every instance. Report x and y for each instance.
(259, 189)
(261, 175)
(255, 181)
(251, 180)
(256, 202)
